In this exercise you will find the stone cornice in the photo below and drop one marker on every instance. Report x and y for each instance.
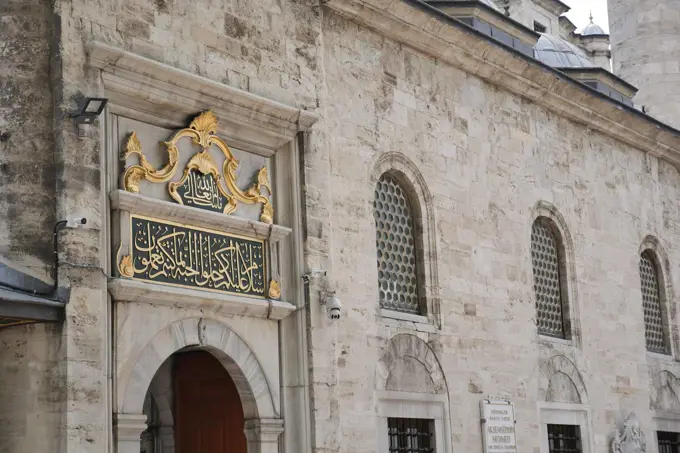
(127, 290)
(554, 6)
(187, 215)
(145, 86)
(430, 31)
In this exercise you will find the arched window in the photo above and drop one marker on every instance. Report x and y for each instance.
(549, 279)
(395, 239)
(655, 328)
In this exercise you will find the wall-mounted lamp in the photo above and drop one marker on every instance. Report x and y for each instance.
(90, 109)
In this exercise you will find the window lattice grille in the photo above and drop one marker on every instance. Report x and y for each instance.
(564, 439)
(395, 240)
(668, 442)
(410, 435)
(651, 304)
(547, 284)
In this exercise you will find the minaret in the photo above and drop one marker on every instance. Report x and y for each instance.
(645, 39)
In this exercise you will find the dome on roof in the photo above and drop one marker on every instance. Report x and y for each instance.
(593, 29)
(560, 53)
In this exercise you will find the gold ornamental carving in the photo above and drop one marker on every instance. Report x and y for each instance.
(202, 185)
(274, 290)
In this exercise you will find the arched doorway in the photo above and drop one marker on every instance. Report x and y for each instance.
(145, 418)
(193, 406)
(207, 408)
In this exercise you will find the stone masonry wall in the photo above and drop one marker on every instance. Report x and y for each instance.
(488, 158)
(31, 392)
(26, 137)
(266, 47)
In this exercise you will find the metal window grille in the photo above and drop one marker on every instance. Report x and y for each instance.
(411, 435)
(651, 304)
(547, 280)
(396, 248)
(564, 439)
(668, 442)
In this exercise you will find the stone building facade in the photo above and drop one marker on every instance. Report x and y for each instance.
(484, 199)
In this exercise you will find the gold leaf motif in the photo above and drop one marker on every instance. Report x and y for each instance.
(132, 178)
(274, 289)
(205, 122)
(133, 146)
(125, 267)
(267, 215)
(203, 162)
(263, 179)
(202, 130)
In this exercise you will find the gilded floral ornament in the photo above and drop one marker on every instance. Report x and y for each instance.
(125, 267)
(274, 290)
(201, 186)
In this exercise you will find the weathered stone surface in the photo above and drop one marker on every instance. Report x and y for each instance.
(645, 41)
(482, 161)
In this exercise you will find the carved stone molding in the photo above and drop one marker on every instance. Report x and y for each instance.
(262, 435)
(147, 87)
(128, 429)
(124, 290)
(143, 205)
(434, 33)
(630, 438)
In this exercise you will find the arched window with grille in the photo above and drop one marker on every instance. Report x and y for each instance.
(656, 336)
(550, 290)
(397, 246)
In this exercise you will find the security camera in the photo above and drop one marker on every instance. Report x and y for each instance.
(76, 222)
(333, 307)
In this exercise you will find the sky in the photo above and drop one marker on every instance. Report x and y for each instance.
(580, 11)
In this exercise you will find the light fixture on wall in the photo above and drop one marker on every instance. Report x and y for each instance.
(90, 109)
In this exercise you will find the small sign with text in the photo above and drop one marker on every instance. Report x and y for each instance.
(498, 426)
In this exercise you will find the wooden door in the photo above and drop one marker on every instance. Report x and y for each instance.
(208, 412)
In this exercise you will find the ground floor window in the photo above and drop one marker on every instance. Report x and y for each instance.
(668, 442)
(411, 435)
(564, 439)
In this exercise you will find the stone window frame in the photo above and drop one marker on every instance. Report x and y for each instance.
(394, 404)
(422, 209)
(652, 246)
(565, 414)
(567, 262)
(665, 421)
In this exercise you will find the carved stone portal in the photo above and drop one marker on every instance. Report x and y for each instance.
(630, 439)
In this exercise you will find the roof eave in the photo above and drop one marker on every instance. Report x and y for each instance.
(442, 36)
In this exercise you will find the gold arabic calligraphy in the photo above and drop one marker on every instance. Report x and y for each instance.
(179, 255)
(201, 191)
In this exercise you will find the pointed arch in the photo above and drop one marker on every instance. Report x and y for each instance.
(665, 393)
(407, 173)
(560, 367)
(656, 284)
(550, 216)
(409, 347)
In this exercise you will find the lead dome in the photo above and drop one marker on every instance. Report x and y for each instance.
(560, 53)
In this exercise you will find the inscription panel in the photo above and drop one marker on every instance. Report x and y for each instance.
(200, 191)
(169, 253)
(498, 426)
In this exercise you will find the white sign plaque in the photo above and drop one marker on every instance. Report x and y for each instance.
(498, 426)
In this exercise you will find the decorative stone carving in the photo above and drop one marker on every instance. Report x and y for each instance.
(630, 439)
